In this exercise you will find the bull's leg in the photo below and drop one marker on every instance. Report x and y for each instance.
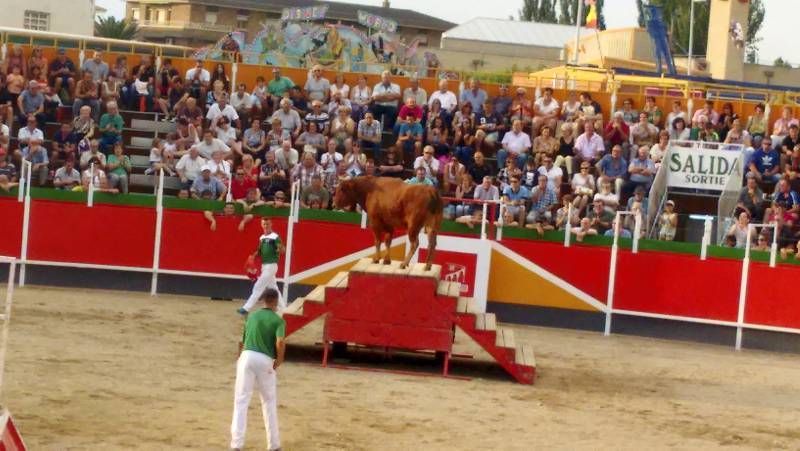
(431, 249)
(413, 238)
(377, 257)
(387, 259)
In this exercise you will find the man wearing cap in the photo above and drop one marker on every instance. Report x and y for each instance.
(62, 72)
(384, 101)
(207, 182)
(319, 116)
(279, 85)
(31, 101)
(290, 119)
(189, 166)
(198, 78)
(317, 87)
(97, 67)
(414, 90)
(67, 177)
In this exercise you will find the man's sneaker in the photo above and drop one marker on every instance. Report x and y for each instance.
(241, 311)
(149, 171)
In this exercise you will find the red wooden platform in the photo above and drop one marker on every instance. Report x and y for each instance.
(10, 439)
(383, 305)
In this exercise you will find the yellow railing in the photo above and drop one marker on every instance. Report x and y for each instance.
(182, 25)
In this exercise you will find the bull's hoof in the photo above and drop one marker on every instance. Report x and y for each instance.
(376, 260)
(428, 267)
(387, 261)
(403, 266)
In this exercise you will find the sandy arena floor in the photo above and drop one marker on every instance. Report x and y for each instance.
(113, 370)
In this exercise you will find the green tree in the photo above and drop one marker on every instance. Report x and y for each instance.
(543, 11)
(677, 19)
(780, 62)
(110, 27)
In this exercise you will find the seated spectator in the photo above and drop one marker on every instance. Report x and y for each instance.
(317, 86)
(590, 112)
(384, 101)
(583, 230)
(360, 98)
(604, 193)
(87, 93)
(704, 131)
(659, 150)
(516, 145)
(420, 178)
(222, 109)
(242, 102)
(198, 80)
(639, 196)
(492, 124)
(410, 137)
(251, 169)
(191, 113)
(642, 171)
(643, 134)
(31, 101)
(487, 191)
(757, 122)
(84, 124)
(118, 166)
(789, 143)
(589, 145)
(785, 195)
(220, 168)
(677, 112)
(740, 229)
(92, 153)
(783, 125)
(229, 136)
(514, 197)
(189, 167)
(369, 134)
(315, 192)
(267, 177)
(617, 132)
(474, 95)
(297, 101)
(628, 114)
(464, 190)
(337, 103)
(409, 107)
(29, 132)
(254, 141)
(544, 145)
(543, 199)
(762, 243)
(228, 210)
(546, 111)
(329, 161)
(161, 157)
(567, 216)
(8, 172)
(94, 178)
(62, 73)
(304, 172)
(278, 200)
(276, 136)
(175, 98)
(392, 163)
(279, 86)
(111, 125)
(750, 199)
(480, 168)
(430, 164)
(553, 173)
(583, 187)
(566, 149)
(144, 81)
(679, 132)
(452, 174)
(65, 135)
(765, 164)
(354, 160)
(319, 117)
(668, 222)
(261, 99)
(613, 168)
(37, 155)
(251, 200)
(654, 113)
(206, 182)
(600, 217)
(312, 137)
(521, 108)
(622, 231)
(707, 111)
(342, 126)
(737, 134)
(218, 74)
(464, 135)
(286, 156)
(511, 170)
(210, 144)
(447, 100)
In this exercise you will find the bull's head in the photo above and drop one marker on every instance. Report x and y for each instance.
(345, 197)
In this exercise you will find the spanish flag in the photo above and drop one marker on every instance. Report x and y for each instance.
(591, 17)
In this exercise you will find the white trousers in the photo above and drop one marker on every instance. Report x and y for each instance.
(265, 280)
(255, 369)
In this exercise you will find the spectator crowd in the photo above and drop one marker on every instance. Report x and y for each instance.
(552, 163)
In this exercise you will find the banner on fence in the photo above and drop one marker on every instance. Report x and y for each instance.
(307, 13)
(700, 165)
(376, 22)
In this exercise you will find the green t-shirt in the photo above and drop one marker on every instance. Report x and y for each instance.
(115, 120)
(121, 169)
(261, 330)
(279, 87)
(268, 248)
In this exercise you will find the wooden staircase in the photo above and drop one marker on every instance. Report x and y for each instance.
(383, 305)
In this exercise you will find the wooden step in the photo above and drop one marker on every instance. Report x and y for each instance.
(467, 305)
(486, 321)
(505, 338)
(446, 288)
(317, 294)
(295, 308)
(418, 270)
(338, 281)
(524, 356)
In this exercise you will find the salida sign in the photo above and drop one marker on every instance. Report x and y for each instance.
(701, 167)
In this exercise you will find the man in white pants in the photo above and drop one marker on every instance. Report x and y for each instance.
(270, 249)
(263, 351)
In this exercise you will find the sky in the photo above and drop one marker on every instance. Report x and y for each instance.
(619, 13)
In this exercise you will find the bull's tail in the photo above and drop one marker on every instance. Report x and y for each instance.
(435, 208)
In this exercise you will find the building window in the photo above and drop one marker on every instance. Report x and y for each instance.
(36, 20)
(135, 14)
(211, 14)
(242, 17)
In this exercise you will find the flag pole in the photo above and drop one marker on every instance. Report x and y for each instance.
(578, 20)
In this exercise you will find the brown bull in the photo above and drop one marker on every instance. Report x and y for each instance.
(391, 204)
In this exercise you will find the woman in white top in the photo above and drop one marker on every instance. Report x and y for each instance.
(570, 108)
(355, 161)
(583, 186)
(679, 132)
(360, 96)
(676, 112)
(340, 86)
(609, 198)
(668, 222)
(739, 229)
(659, 149)
(330, 161)
(453, 174)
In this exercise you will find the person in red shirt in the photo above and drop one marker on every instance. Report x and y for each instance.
(617, 131)
(241, 184)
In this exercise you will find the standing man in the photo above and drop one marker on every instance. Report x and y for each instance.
(269, 249)
(263, 350)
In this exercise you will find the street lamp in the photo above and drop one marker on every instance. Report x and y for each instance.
(691, 34)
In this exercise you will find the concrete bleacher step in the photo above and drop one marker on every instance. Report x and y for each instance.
(152, 125)
(140, 161)
(523, 356)
(149, 181)
(486, 321)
